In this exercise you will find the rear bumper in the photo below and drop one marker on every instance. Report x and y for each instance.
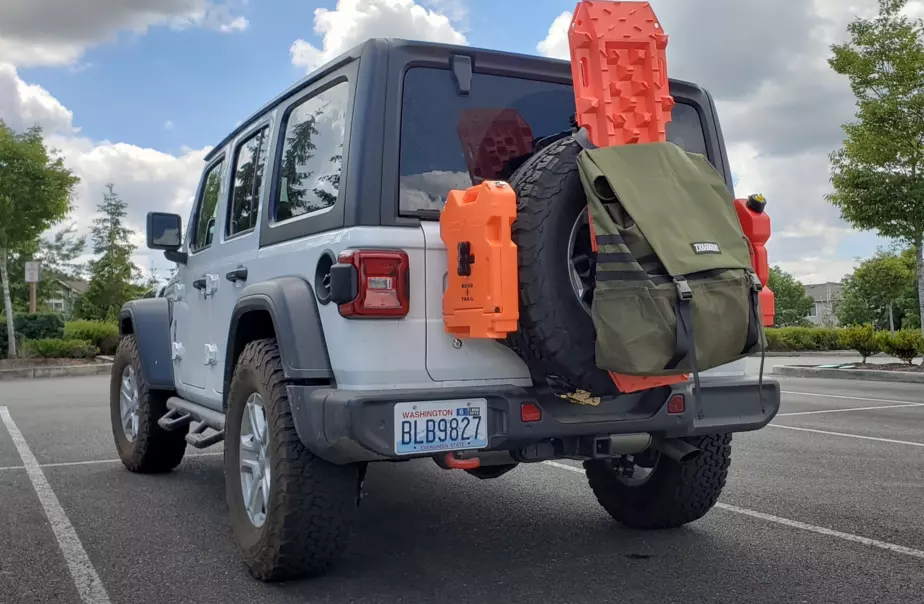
(346, 426)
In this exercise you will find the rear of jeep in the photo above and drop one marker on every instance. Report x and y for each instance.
(343, 335)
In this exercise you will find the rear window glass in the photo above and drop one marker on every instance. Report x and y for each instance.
(450, 141)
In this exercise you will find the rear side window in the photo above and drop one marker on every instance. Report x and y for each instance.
(203, 224)
(312, 154)
(249, 168)
(450, 141)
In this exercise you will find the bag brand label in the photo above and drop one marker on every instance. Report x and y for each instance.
(706, 247)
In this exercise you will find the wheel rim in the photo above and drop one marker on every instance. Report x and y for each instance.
(255, 460)
(129, 404)
(581, 262)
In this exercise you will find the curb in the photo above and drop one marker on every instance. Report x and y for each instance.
(29, 373)
(813, 353)
(849, 374)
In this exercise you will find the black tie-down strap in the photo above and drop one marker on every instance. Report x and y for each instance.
(753, 339)
(685, 345)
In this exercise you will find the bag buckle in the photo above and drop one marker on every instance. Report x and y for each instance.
(684, 292)
(756, 285)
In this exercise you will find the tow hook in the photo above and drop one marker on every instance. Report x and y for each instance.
(457, 463)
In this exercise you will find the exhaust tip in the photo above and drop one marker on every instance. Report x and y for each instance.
(678, 450)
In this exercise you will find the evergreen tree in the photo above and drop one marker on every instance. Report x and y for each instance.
(114, 279)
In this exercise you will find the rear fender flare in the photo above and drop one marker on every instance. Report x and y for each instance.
(292, 307)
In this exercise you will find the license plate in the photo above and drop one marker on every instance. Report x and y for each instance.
(434, 426)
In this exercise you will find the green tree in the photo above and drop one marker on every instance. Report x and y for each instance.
(114, 278)
(878, 175)
(35, 193)
(792, 303)
(880, 281)
(851, 309)
(57, 255)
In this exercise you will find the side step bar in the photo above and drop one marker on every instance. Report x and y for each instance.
(182, 413)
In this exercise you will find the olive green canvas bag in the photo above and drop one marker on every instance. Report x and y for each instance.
(675, 292)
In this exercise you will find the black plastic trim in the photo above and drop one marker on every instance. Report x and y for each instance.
(352, 426)
(150, 322)
(293, 309)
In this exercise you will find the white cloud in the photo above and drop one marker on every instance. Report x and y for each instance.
(353, 21)
(24, 105)
(780, 104)
(168, 125)
(52, 32)
(555, 43)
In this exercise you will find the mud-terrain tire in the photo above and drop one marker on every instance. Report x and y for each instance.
(556, 335)
(312, 503)
(152, 450)
(675, 494)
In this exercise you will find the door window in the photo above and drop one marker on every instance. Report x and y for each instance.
(247, 183)
(312, 154)
(203, 222)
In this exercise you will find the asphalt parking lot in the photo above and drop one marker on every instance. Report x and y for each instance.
(824, 505)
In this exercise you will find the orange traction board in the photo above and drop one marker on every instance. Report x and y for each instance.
(481, 298)
(619, 74)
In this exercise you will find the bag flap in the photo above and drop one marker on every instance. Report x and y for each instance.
(677, 199)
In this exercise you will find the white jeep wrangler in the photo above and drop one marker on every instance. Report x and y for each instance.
(305, 328)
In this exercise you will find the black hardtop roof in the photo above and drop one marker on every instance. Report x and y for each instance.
(486, 55)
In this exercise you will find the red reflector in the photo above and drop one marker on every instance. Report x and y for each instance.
(383, 289)
(530, 412)
(676, 405)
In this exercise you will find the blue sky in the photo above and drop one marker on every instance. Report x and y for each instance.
(203, 82)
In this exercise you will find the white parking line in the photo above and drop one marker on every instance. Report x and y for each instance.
(89, 462)
(877, 407)
(849, 398)
(86, 580)
(892, 547)
(883, 440)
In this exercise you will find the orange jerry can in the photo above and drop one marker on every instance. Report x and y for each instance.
(481, 298)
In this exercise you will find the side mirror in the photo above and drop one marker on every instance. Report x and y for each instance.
(165, 232)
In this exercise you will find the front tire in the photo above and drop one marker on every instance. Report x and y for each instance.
(674, 494)
(134, 408)
(301, 507)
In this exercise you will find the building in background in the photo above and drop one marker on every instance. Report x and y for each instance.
(67, 293)
(824, 295)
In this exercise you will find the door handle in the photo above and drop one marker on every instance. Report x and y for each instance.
(238, 274)
(199, 283)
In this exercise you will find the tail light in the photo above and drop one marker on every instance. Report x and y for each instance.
(371, 283)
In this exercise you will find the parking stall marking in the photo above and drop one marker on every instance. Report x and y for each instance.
(86, 580)
(882, 440)
(820, 530)
(875, 408)
(850, 398)
(90, 462)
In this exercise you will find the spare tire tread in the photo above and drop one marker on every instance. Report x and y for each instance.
(556, 336)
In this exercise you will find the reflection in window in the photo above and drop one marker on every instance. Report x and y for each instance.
(250, 164)
(309, 175)
(206, 208)
(449, 141)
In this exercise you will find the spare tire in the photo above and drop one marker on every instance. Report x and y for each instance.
(556, 335)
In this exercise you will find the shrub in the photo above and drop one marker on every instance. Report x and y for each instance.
(905, 344)
(104, 336)
(861, 338)
(29, 326)
(50, 348)
(39, 326)
(796, 339)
